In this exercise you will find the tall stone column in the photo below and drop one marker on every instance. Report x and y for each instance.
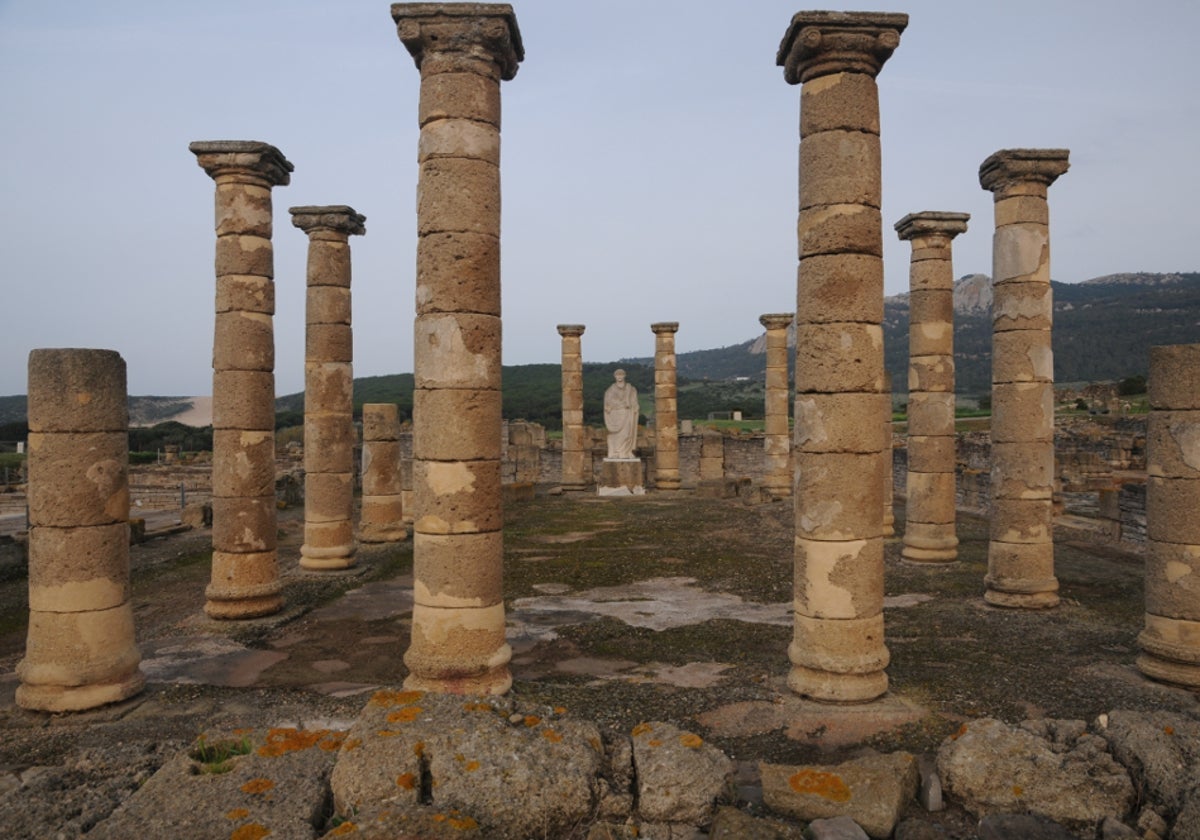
(1021, 548)
(929, 530)
(1170, 641)
(837, 652)
(777, 440)
(666, 407)
(382, 517)
(576, 460)
(463, 51)
(889, 492)
(328, 388)
(245, 571)
(80, 651)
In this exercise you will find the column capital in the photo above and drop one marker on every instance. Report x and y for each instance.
(333, 217)
(571, 329)
(248, 159)
(474, 31)
(1008, 168)
(665, 327)
(777, 320)
(823, 43)
(932, 223)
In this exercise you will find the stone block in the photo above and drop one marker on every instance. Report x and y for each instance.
(244, 524)
(329, 343)
(930, 496)
(840, 288)
(244, 399)
(459, 138)
(1022, 520)
(930, 413)
(458, 570)
(839, 358)
(243, 463)
(931, 271)
(453, 96)
(68, 650)
(840, 229)
(328, 545)
(78, 479)
(242, 254)
(840, 660)
(1021, 253)
(458, 194)
(1022, 470)
(840, 423)
(1172, 580)
(1022, 306)
(462, 648)
(680, 778)
(457, 497)
(1022, 412)
(328, 497)
(328, 259)
(838, 496)
(1172, 505)
(1021, 575)
(244, 574)
(245, 293)
(243, 209)
(456, 425)
(329, 438)
(1174, 377)
(457, 350)
(381, 421)
(931, 453)
(1173, 444)
(327, 305)
(1022, 356)
(838, 579)
(839, 101)
(841, 167)
(244, 341)
(76, 390)
(78, 569)
(931, 373)
(328, 386)
(458, 271)
(930, 307)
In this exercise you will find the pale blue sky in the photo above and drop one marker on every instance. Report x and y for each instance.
(649, 162)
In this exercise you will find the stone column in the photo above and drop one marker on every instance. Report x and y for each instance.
(889, 492)
(666, 410)
(777, 440)
(329, 434)
(838, 653)
(80, 651)
(245, 572)
(576, 459)
(1021, 548)
(929, 535)
(382, 517)
(1171, 641)
(463, 51)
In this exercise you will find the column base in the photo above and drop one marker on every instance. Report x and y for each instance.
(383, 534)
(929, 548)
(491, 683)
(838, 660)
(245, 602)
(1036, 600)
(78, 698)
(1170, 650)
(829, 687)
(327, 559)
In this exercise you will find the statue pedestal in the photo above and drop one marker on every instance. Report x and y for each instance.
(621, 477)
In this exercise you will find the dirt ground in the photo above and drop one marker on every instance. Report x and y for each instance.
(663, 607)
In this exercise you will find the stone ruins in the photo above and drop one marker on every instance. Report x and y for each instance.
(838, 652)
(451, 473)
(929, 528)
(80, 652)
(329, 434)
(1021, 549)
(463, 52)
(245, 570)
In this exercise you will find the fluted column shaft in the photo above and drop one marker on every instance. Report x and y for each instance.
(382, 516)
(1021, 547)
(837, 652)
(245, 572)
(1170, 641)
(463, 52)
(80, 650)
(329, 435)
(777, 441)
(576, 462)
(666, 407)
(929, 529)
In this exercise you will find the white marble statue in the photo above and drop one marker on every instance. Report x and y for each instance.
(621, 417)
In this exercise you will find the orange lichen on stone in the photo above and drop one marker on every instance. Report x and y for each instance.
(551, 736)
(395, 698)
(1018, 790)
(962, 730)
(253, 831)
(560, 710)
(818, 783)
(654, 742)
(595, 744)
(258, 785)
(333, 742)
(282, 741)
(343, 829)
(408, 781)
(419, 749)
(387, 733)
(477, 707)
(463, 823)
(237, 814)
(351, 744)
(472, 766)
(532, 720)
(690, 740)
(642, 729)
(1170, 730)
(243, 730)
(406, 715)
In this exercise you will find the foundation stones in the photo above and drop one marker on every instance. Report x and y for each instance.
(1170, 641)
(80, 651)
(329, 435)
(245, 574)
(463, 51)
(382, 516)
(1021, 548)
(777, 443)
(666, 413)
(576, 458)
(929, 533)
(838, 653)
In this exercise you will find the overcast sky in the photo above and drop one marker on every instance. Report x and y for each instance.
(649, 162)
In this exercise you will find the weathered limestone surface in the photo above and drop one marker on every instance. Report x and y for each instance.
(245, 573)
(328, 388)
(837, 652)
(929, 533)
(889, 491)
(463, 52)
(1021, 548)
(576, 459)
(777, 442)
(80, 650)
(1170, 641)
(382, 516)
(666, 410)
